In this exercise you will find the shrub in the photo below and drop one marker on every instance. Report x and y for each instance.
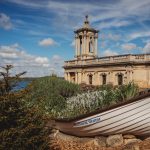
(7, 82)
(49, 94)
(128, 91)
(20, 127)
(106, 96)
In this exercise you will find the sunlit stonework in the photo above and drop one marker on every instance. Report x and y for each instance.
(88, 68)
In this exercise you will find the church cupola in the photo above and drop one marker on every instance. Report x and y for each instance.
(86, 40)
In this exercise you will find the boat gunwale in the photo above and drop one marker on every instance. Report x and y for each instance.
(99, 110)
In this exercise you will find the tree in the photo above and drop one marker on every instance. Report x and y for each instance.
(20, 127)
(7, 81)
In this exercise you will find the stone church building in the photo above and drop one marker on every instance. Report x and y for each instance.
(88, 68)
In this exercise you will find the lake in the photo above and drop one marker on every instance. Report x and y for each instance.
(21, 85)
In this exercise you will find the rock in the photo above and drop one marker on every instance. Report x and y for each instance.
(131, 146)
(127, 141)
(100, 141)
(53, 134)
(71, 138)
(145, 145)
(148, 138)
(114, 140)
(85, 140)
(128, 136)
(65, 137)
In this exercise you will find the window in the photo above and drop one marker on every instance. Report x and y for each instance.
(72, 77)
(90, 79)
(120, 79)
(90, 45)
(104, 79)
(80, 44)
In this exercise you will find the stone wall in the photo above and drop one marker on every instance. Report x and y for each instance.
(140, 74)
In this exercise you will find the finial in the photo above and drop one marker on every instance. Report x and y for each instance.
(86, 17)
(86, 22)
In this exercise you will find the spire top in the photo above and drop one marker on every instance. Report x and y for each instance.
(86, 17)
(86, 22)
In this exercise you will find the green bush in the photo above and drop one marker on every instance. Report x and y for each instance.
(128, 91)
(58, 98)
(20, 127)
(106, 96)
(49, 94)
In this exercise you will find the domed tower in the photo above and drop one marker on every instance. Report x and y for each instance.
(86, 40)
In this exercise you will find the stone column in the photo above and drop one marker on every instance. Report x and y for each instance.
(82, 46)
(87, 45)
(76, 46)
(93, 45)
(79, 46)
(95, 79)
(111, 80)
(66, 76)
(116, 79)
(76, 77)
(100, 79)
(79, 77)
(129, 76)
(96, 47)
(83, 77)
(84, 43)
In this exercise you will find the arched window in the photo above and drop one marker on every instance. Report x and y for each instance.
(90, 79)
(90, 45)
(104, 79)
(120, 79)
(80, 44)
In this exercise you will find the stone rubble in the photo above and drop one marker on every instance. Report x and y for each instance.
(60, 141)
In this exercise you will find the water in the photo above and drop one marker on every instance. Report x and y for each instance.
(20, 85)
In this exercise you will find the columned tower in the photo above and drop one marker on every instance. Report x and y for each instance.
(86, 40)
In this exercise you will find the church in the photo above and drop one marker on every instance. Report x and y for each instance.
(88, 68)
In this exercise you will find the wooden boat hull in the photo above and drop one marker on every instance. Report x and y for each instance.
(130, 118)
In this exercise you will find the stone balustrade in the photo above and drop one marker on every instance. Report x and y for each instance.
(110, 59)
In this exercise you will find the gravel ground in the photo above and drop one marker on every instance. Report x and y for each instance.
(67, 145)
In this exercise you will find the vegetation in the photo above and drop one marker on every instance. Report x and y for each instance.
(7, 82)
(58, 98)
(20, 127)
(49, 94)
(99, 99)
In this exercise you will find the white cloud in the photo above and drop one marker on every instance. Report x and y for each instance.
(139, 34)
(56, 57)
(109, 52)
(129, 46)
(34, 65)
(5, 21)
(114, 23)
(47, 42)
(41, 60)
(121, 11)
(146, 48)
(110, 36)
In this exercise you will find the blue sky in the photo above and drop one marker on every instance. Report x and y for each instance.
(37, 35)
